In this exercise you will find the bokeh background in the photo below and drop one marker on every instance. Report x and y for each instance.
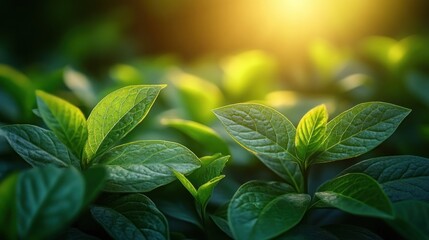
(289, 54)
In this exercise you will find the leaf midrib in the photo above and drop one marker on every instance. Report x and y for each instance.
(37, 147)
(114, 125)
(353, 135)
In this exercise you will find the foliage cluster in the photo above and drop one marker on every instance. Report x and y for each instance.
(82, 185)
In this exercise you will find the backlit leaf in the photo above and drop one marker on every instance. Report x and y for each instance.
(401, 177)
(266, 133)
(356, 193)
(144, 165)
(116, 115)
(48, 199)
(360, 129)
(65, 120)
(132, 216)
(262, 210)
(38, 146)
(310, 132)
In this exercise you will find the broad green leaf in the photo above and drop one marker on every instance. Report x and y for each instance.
(211, 167)
(262, 210)
(204, 135)
(38, 146)
(360, 129)
(48, 199)
(411, 219)
(186, 183)
(116, 115)
(401, 177)
(95, 179)
(307, 232)
(8, 226)
(144, 165)
(65, 120)
(356, 193)
(266, 133)
(132, 216)
(351, 232)
(310, 132)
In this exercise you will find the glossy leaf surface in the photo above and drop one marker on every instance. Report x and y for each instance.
(144, 165)
(38, 146)
(266, 133)
(360, 129)
(65, 120)
(262, 210)
(401, 177)
(356, 193)
(132, 216)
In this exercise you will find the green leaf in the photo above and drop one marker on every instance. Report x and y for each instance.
(401, 177)
(38, 146)
(204, 135)
(262, 210)
(411, 219)
(356, 193)
(360, 129)
(65, 120)
(351, 232)
(310, 132)
(95, 179)
(186, 183)
(116, 115)
(8, 226)
(48, 199)
(144, 165)
(266, 133)
(211, 167)
(205, 191)
(132, 216)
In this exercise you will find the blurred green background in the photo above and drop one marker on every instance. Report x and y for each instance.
(288, 54)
